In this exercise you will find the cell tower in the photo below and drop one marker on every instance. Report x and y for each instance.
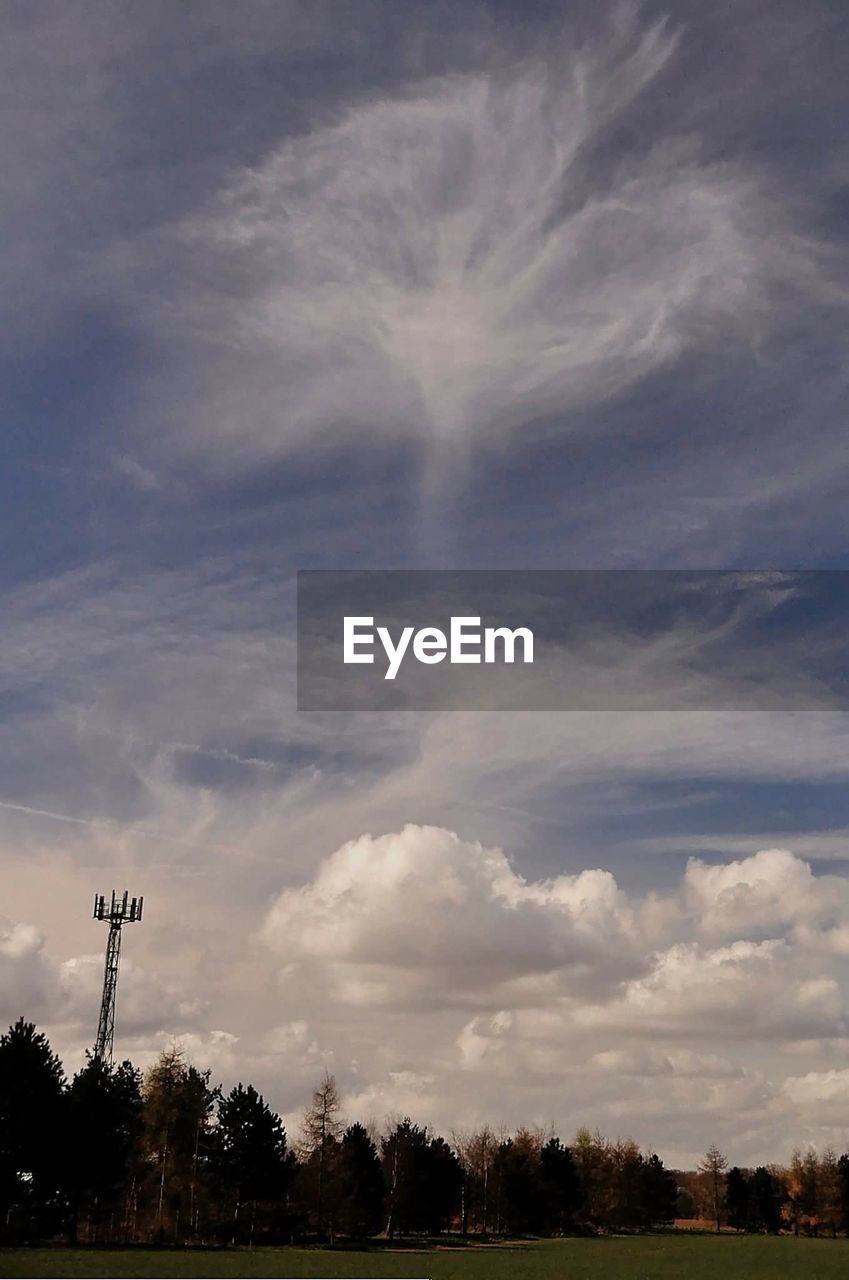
(121, 912)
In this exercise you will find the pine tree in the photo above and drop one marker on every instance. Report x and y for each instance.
(33, 1117)
(401, 1159)
(843, 1190)
(659, 1193)
(560, 1185)
(764, 1203)
(360, 1184)
(519, 1175)
(250, 1163)
(627, 1210)
(423, 1180)
(737, 1199)
(104, 1125)
(441, 1186)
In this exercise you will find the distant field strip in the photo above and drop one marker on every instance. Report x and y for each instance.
(671, 1257)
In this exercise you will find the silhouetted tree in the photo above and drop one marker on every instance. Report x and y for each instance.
(360, 1184)
(178, 1101)
(809, 1192)
(659, 1192)
(764, 1202)
(737, 1199)
(627, 1209)
(402, 1161)
(593, 1158)
(320, 1132)
(843, 1190)
(33, 1118)
(561, 1187)
(104, 1126)
(476, 1153)
(442, 1181)
(112, 1157)
(250, 1161)
(712, 1168)
(829, 1201)
(686, 1205)
(520, 1188)
(423, 1180)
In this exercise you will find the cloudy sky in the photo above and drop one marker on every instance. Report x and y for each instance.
(345, 285)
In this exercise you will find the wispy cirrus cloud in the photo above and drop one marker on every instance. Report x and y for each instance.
(459, 261)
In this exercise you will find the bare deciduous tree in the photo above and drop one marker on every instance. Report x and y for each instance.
(321, 1129)
(712, 1167)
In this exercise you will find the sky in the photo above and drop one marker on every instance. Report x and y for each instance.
(331, 285)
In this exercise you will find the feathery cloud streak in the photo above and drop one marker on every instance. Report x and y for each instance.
(463, 260)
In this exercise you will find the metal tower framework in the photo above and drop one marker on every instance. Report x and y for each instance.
(124, 910)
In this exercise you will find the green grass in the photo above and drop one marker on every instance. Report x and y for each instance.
(663, 1257)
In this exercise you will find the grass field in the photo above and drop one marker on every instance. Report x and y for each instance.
(669, 1257)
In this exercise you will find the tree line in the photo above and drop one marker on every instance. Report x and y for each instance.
(114, 1155)
(810, 1196)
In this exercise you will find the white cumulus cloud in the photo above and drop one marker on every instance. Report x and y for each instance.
(422, 914)
(768, 893)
